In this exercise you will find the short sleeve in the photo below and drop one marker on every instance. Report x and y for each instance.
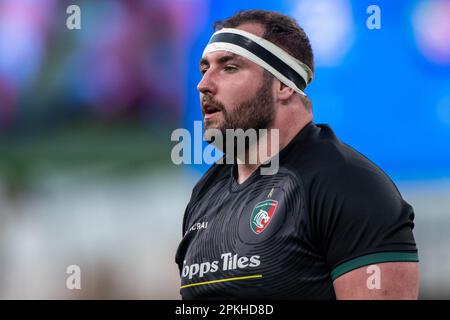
(361, 219)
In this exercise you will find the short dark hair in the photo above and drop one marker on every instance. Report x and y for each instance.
(279, 29)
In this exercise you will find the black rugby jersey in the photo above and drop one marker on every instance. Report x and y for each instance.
(327, 211)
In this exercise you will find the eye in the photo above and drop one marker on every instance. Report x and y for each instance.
(203, 71)
(230, 68)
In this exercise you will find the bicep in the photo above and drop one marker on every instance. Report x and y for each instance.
(389, 280)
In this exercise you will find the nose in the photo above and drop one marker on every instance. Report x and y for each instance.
(207, 85)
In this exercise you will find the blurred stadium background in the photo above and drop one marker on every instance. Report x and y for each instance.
(86, 116)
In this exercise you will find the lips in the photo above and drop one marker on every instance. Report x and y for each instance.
(209, 110)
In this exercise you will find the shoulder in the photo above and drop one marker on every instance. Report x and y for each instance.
(339, 179)
(213, 175)
(325, 162)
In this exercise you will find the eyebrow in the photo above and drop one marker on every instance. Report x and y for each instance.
(221, 60)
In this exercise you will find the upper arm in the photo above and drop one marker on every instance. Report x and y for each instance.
(390, 280)
(362, 220)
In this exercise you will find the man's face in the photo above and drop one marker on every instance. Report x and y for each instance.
(235, 93)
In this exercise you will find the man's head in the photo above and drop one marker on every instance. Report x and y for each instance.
(236, 92)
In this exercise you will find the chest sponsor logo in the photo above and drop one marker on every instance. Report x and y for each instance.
(262, 214)
(229, 262)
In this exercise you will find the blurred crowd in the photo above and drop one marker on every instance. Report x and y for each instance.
(126, 61)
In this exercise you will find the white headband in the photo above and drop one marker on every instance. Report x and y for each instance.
(277, 61)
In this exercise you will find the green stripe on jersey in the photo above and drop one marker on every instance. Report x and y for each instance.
(371, 259)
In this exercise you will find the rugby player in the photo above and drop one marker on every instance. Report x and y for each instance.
(325, 223)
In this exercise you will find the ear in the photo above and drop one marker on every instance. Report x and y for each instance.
(283, 92)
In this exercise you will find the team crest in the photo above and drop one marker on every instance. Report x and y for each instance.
(262, 214)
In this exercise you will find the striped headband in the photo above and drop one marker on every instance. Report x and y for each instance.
(292, 72)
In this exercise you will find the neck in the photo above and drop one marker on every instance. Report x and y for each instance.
(288, 125)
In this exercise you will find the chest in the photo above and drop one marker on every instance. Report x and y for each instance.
(252, 242)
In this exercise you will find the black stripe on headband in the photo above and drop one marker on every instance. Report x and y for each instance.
(263, 54)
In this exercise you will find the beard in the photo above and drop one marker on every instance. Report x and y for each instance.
(256, 113)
